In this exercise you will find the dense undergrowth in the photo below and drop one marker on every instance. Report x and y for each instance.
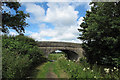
(82, 70)
(19, 55)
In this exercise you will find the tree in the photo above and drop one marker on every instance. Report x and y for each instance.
(13, 20)
(101, 33)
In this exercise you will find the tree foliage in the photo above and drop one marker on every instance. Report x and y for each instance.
(19, 55)
(101, 33)
(14, 19)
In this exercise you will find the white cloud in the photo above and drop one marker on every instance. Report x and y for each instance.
(37, 12)
(62, 15)
(54, 0)
(35, 9)
(80, 20)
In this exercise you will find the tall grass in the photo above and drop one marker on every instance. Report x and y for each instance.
(83, 70)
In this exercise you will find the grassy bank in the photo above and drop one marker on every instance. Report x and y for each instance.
(83, 70)
(64, 68)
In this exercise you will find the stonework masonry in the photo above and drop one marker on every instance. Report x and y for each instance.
(73, 50)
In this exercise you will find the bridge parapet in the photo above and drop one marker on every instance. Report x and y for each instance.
(57, 44)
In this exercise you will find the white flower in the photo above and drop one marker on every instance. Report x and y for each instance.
(91, 70)
(112, 70)
(106, 70)
(73, 60)
(94, 76)
(88, 68)
(69, 60)
(115, 68)
(83, 69)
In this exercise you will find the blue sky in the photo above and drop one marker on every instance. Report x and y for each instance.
(54, 21)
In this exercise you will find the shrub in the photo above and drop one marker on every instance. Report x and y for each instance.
(20, 54)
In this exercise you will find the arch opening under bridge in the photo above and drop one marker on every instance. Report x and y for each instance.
(74, 51)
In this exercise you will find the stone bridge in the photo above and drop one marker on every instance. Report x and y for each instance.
(74, 51)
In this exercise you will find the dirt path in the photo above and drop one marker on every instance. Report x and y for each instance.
(51, 74)
(50, 71)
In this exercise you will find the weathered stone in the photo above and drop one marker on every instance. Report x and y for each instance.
(74, 51)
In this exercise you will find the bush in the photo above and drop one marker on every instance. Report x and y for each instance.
(14, 65)
(20, 54)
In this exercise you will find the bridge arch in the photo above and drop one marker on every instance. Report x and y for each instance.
(70, 53)
(73, 50)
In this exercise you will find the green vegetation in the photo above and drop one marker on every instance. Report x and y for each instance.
(44, 70)
(20, 55)
(55, 56)
(41, 71)
(101, 42)
(101, 33)
(82, 69)
(65, 68)
(14, 19)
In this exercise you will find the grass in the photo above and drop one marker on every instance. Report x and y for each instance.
(55, 56)
(58, 71)
(64, 68)
(42, 70)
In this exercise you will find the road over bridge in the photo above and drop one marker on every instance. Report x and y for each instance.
(74, 51)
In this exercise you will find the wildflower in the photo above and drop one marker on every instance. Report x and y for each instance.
(94, 76)
(115, 68)
(69, 60)
(83, 69)
(91, 70)
(106, 70)
(112, 70)
(88, 68)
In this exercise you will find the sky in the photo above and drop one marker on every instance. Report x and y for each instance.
(54, 21)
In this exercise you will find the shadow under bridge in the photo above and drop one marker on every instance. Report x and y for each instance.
(74, 51)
